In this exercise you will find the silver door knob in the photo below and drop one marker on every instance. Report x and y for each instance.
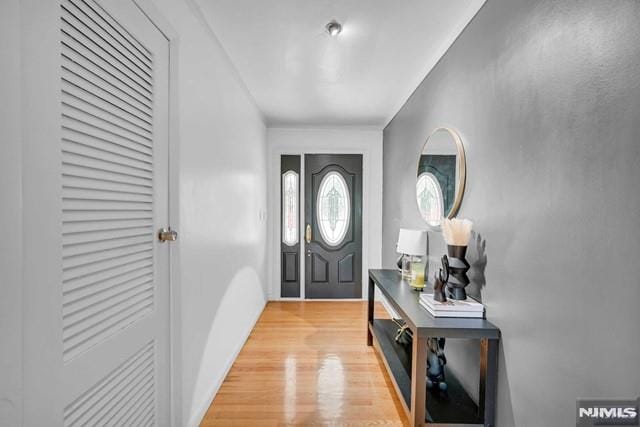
(167, 235)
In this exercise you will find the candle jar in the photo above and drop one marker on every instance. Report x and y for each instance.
(418, 267)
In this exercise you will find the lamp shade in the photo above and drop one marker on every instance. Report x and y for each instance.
(412, 242)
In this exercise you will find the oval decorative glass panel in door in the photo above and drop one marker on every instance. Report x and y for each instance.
(333, 205)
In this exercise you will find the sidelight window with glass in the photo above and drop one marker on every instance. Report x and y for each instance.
(290, 207)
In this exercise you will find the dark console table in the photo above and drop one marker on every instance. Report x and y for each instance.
(407, 365)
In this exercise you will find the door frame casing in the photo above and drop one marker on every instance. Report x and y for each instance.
(346, 140)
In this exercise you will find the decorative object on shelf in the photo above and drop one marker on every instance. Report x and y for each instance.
(468, 308)
(404, 335)
(456, 233)
(417, 280)
(438, 290)
(435, 364)
(440, 280)
(412, 244)
(441, 176)
(458, 267)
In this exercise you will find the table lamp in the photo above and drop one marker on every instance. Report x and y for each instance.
(412, 244)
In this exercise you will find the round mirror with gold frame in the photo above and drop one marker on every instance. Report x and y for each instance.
(441, 176)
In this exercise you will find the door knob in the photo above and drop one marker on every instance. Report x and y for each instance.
(308, 233)
(167, 235)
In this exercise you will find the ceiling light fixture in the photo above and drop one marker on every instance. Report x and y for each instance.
(333, 28)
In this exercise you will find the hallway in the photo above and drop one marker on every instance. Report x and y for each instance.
(307, 363)
(203, 199)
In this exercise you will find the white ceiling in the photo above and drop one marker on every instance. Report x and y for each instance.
(299, 75)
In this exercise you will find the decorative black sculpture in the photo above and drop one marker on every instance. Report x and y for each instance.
(440, 280)
(457, 267)
(435, 364)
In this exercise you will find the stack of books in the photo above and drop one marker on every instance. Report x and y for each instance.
(469, 308)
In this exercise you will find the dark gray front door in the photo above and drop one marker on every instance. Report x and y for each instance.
(333, 225)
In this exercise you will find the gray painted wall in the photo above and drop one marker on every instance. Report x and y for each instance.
(546, 96)
(11, 217)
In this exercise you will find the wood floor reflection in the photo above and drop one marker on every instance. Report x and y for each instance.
(307, 364)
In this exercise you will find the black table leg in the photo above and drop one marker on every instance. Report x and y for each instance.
(372, 288)
(488, 380)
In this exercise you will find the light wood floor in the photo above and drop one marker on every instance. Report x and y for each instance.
(307, 364)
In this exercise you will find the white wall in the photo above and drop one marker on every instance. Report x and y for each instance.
(366, 141)
(222, 225)
(10, 217)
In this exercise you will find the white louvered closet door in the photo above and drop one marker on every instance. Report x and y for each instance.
(115, 272)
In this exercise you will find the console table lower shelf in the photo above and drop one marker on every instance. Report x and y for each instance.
(453, 407)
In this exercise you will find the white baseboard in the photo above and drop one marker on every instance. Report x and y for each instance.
(197, 417)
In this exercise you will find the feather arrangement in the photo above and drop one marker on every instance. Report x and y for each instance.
(456, 232)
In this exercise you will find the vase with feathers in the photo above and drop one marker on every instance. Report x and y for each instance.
(456, 233)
